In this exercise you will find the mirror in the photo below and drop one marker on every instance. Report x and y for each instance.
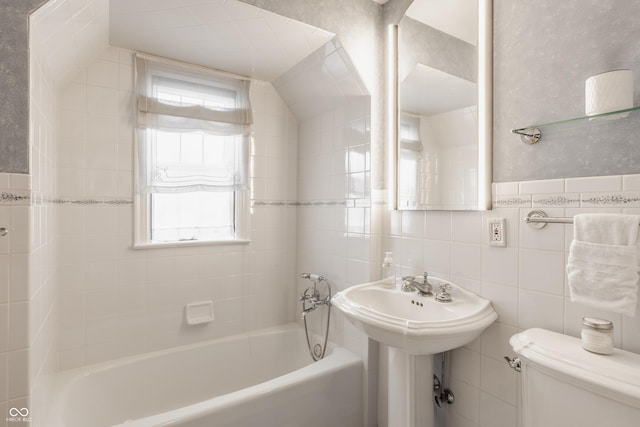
(443, 128)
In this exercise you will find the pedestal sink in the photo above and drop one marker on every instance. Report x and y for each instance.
(415, 327)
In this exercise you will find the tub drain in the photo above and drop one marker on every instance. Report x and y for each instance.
(317, 350)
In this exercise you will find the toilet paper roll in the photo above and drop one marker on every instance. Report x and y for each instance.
(609, 91)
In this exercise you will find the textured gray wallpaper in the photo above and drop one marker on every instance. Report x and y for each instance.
(544, 50)
(420, 44)
(14, 84)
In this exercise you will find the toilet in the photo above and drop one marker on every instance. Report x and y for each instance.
(564, 385)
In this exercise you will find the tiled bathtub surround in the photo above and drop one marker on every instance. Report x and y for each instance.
(526, 281)
(115, 301)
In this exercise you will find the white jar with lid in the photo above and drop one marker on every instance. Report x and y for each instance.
(597, 335)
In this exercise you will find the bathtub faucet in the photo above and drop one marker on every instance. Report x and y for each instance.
(311, 300)
(311, 296)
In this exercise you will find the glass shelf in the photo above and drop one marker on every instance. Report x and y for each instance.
(532, 134)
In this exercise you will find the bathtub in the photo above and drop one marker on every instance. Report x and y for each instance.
(263, 378)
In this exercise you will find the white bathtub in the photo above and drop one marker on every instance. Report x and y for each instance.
(264, 378)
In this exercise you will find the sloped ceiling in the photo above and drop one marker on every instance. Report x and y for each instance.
(427, 91)
(224, 34)
(228, 35)
(69, 34)
(323, 81)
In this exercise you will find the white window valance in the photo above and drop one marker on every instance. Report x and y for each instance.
(193, 126)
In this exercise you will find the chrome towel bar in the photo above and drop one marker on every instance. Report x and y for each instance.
(538, 219)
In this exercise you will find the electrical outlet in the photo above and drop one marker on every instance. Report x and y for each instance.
(497, 232)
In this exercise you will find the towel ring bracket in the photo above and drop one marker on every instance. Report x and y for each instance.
(536, 219)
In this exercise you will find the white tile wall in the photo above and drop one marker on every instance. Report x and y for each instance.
(526, 281)
(27, 281)
(335, 235)
(14, 285)
(116, 301)
(334, 221)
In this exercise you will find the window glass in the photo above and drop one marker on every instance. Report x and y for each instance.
(193, 134)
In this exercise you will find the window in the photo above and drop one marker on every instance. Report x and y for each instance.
(410, 160)
(193, 130)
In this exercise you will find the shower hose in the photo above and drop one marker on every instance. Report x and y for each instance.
(312, 296)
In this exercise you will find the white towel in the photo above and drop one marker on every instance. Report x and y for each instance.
(603, 261)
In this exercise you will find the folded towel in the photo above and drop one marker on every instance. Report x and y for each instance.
(603, 261)
(607, 229)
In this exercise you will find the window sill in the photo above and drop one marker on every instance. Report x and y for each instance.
(190, 243)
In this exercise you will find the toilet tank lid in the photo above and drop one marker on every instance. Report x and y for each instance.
(563, 354)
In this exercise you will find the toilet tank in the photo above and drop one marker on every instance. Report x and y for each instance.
(564, 385)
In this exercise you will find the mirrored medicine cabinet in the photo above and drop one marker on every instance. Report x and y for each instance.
(441, 123)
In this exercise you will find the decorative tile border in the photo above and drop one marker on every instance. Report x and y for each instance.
(349, 203)
(274, 203)
(623, 192)
(19, 198)
(512, 201)
(92, 202)
(627, 199)
(15, 198)
(624, 199)
(570, 200)
(324, 203)
(39, 199)
(567, 200)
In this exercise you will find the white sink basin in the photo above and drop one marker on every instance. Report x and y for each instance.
(413, 323)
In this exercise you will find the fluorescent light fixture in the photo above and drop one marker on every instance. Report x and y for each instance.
(485, 110)
(392, 114)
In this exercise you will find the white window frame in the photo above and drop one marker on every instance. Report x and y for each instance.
(142, 224)
(142, 214)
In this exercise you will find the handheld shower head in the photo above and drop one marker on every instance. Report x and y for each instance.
(313, 277)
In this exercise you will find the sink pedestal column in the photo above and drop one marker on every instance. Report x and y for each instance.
(410, 396)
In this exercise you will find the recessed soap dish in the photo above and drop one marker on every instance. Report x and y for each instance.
(199, 312)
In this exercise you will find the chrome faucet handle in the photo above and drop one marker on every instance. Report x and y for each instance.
(443, 294)
(408, 284)
(307, 295)
(444, 287)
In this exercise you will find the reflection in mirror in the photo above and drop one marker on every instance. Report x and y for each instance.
(443, 145)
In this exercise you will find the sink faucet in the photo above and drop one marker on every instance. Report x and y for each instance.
(411, 283)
